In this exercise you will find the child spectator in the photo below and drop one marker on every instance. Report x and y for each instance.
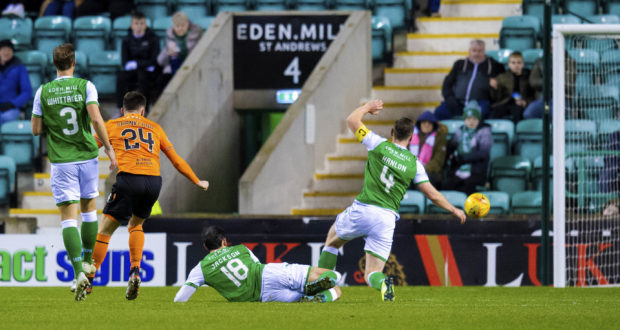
(428, 143)
(511, 91)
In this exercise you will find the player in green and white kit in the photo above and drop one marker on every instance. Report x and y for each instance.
(389, 170)
(64, 109)
(237, 275)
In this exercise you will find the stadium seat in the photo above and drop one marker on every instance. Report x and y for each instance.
(271, 5)
(537, 172)
(500, 55)
(160, 25)
(457, 198)
(500, 202)
(612, 7)
(397, 11)
(413, 202)
(537, 7)
(605, 128)
(120, 28)
(153, 9)
(19, 143)
(381, 42)
(503, 133)
(51, 31)
(603, 19)
(452, 125)
(351, 4)
(526, 202)
(310, 5)
(581, 7)
(565, 19)
(528, 138)
(18, 30)
(579, 134)
(231, 5)
(81, 66)
(510, 174)
(193, 8)
(530, 56)
(103, 68)
(204, 22)
(36, 63)
(519, 32)
(91, 33)
(7, 178)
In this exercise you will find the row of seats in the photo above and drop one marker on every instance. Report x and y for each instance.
(19, 151)
(581, 7)
(525, 202)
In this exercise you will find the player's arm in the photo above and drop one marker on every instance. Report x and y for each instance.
(440, 200)
(194, 280)
(99, 126)
(36, 122)
(183, 167)
(354, 121)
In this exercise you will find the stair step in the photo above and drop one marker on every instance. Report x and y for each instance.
(338, 183)
(468, 8)
(42, 181)
(45, 217)
(401, 94)
(39, 200)
(328, 201)
(461, 24)
(448, 42)
(427, 59)
(345, 164)
(415, 76)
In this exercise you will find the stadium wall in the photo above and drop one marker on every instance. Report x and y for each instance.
(196, 110)
(285, 165)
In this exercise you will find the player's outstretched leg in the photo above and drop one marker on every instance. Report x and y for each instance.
(133, 285)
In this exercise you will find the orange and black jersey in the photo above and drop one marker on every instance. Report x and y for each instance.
(137, 141)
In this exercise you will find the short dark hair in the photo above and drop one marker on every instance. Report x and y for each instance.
(516, 54)
(134, 100)
(64, 56)
(213, 237)
(403, 128)
(137, 15)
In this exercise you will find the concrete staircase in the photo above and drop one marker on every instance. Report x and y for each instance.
(412, 86)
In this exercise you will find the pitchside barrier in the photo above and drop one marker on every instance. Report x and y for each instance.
(435, 251)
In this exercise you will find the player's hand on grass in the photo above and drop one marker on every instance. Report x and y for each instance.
(112, 156)
(374, 106)
(204, 184)
(459, 214)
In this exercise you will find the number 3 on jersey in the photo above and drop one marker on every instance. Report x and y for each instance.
(387, 179)
(129, 135)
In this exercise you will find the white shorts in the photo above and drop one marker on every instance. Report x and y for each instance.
(71, 181)
(373, 223)
(283, 282)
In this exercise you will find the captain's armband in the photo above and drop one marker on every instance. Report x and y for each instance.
(361, 133)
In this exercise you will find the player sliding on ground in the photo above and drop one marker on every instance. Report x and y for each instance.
(389, 170)
(137, 142)
(237, 275)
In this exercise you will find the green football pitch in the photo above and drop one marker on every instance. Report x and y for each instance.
(359, 307)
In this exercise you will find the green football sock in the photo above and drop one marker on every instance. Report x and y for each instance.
(328, 258)
(73, 245)
(376, 280)
(89, 236)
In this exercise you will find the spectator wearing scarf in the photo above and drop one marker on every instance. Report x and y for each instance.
(469, 151)
(428, 143)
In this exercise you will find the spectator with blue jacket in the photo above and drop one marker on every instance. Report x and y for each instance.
(15, 89)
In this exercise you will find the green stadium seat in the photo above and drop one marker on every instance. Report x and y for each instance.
(519, 32)
(271, 5)
(413, 202)
(91, 33)
(537, 172)
(19, 143)
(611, 7)
(103, 68)
(528, 138)
(604, 19)
(204, 22)
(580, 131)
(193, 8)
(36, 63)
(581, 7)
(7, 178)
(18, 30)
(503, 133)
(120, 28)
(526, 202)
(500, 55)
(351, 4)
(510, 174)
(231, 5)
(397, 11)
(381, 42)
(452, 125)
(500, 202)
(587, 60)
(51, 31)
(530, 56)
(536, 8)
(457, 198)
(606, 127)
(153, 9)
(160, 25)
(310, 5)
(565, 19)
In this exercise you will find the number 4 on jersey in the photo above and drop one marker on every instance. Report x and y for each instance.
(387, 179)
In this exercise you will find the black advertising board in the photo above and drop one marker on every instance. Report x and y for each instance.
(424, 252)
(280, 52)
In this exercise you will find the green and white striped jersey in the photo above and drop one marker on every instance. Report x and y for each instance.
(61, 104)
(389, 170)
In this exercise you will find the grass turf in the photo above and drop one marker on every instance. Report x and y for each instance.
(360, 307)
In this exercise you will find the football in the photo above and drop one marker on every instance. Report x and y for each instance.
(477, 205)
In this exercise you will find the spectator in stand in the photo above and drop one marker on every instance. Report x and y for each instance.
(139, 51)
(511, 91)
(181, 38)
(433, 8)
(15, 89)
(428, 143)
(535, 109)
(469, 151)
(468, 80)
(58, 7)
